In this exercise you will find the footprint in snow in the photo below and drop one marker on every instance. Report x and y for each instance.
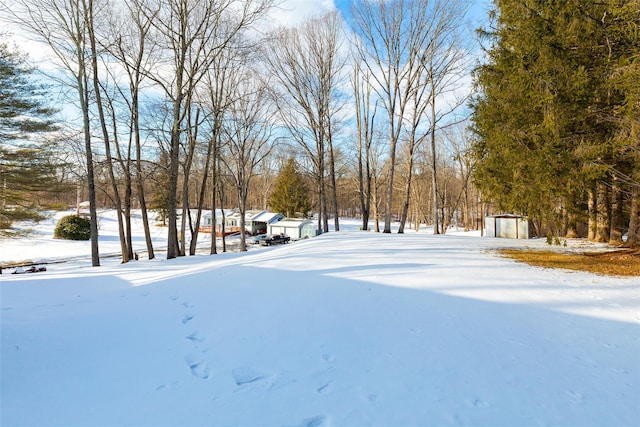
(317, 421)
(243, 376)
(478, 403)
(574, 396)
(198, 367)
(195, 337)
(324, 389)
(187, 318)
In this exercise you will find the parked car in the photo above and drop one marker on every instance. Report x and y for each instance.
(275, 239)
(257, 238)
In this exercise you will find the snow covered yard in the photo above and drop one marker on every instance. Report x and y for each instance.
(347, 329)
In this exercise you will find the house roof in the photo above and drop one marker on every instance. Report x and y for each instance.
(293, 222)
(265, 216)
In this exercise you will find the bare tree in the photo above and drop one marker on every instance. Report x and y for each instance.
(445, 64)
(392, 34)
(248, 129)
(216, 97)
(306, 63)
(93, 16)
(194, 33)
(460, 140)
(62, 26)
(365, 119)
(131, 48)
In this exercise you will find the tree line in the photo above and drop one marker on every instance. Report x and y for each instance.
(557, 116)
(189, 106)
(199, 97)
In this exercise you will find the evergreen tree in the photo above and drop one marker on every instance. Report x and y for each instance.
(626, 80)
(290, 193)
(545, 119)
(159, 201)
(26, 162)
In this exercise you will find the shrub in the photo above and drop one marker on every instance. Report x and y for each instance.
(73, 227)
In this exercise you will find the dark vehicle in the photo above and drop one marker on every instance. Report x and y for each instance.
(275, 239)
(258, 238)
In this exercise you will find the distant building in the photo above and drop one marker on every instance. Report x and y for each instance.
(507, 226)
(205, 221)
(260, 221)
(256, 221)
(296, 228)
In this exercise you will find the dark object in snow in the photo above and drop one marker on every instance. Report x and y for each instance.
(32, 269)
(275, 239)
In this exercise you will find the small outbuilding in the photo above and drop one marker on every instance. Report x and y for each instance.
(258, 222)
(295, 228)
(506, 225)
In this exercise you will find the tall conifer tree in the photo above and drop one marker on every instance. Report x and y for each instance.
(26, 165)
(545, 118)
(290, 194)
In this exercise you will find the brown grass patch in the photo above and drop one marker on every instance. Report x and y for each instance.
(612, 263)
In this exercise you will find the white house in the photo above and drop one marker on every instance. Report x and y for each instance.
(296, 228)
(256, 221)
(205, 221)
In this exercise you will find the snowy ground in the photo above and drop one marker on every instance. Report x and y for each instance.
(347, 329)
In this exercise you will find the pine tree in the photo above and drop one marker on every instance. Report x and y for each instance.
(26, 163)
(545, 119)
(290, 193)
(159, 201)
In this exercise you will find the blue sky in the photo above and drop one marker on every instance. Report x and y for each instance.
(292, 12)
(477, 13)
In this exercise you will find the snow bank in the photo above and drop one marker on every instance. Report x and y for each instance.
(347, 329)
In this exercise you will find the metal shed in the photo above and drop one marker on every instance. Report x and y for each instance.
(294, 227)
(506, 225)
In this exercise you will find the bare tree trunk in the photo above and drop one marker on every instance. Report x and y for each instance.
(603, 216)
(223, 223)
(95, 255)
(407, 195)
(63, 27)
(617, 221)
(187, 164)
(361, 104)
(129, 47)
(633, 235)
(305, 63)
(375, 201)
(593, 212)
(332, 177)
(572, 226)
(173, 248)
(89, 14)
(195, 34)
(201, 200)
(214, 179)
(248, 132)
(434, 166)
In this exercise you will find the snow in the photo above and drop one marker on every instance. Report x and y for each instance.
(347, 329)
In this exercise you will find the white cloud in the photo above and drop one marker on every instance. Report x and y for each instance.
(291, 13)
